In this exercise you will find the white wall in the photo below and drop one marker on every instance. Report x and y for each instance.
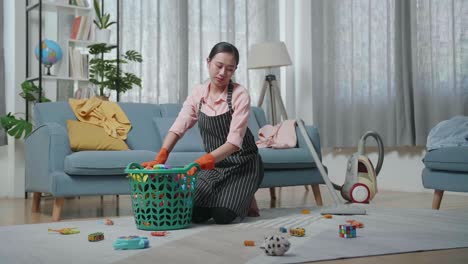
(12, 174)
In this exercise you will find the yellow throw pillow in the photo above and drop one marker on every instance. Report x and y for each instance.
(85, 136)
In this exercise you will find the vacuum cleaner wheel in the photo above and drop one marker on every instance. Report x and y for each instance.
(359, 193)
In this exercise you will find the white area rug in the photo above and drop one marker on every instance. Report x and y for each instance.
(386, 231)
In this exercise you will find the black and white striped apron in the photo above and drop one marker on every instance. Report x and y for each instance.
(234, 181)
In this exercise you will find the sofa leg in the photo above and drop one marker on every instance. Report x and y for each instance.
(272, 193)
(36, 203)
(437, 199)
(317, 194)
(58, 204)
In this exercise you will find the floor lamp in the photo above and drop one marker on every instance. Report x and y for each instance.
(271, 55)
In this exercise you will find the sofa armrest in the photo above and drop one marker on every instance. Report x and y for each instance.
(313, 133)
(46, 148)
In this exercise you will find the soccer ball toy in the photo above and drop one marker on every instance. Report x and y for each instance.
(276, 245)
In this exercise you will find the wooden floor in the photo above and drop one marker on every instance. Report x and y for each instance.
(18, 211)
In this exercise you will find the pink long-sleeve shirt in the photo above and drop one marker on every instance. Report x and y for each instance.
(188, 115)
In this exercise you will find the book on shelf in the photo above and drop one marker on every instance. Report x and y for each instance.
(75, 27)
(82, 28)
(85, 28)
(78, 63)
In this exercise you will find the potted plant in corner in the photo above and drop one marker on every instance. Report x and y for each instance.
(16, 126)
(102, 22)
(105, 74)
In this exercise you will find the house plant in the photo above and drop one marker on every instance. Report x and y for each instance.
(104, 72)
(13, 124)
(102, 22)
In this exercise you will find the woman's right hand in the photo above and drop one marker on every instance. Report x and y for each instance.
(159, 159)
(149, 164)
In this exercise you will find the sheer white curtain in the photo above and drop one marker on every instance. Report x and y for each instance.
(396, 67)
(358, 78)
(175, 38)
(440, 64)
(3, 139)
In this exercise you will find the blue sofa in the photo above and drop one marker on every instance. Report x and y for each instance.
(446, 169)
(52, 167)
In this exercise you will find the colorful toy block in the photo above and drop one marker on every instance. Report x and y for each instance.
(347, 231)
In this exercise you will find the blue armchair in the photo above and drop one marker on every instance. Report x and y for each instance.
(446, 161)
(446, 169)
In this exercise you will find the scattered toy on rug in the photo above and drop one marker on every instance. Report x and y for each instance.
(159, 233)
(298, 231)
(131, 242)
(108, 221)
(95, 237)
(283, 229)
(355, 223)
(66, 230)
(327, 216)
(249, 243)
(347, 231)
(276, 245)
(305, 211)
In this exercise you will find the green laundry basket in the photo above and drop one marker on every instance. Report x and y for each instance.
(162, 199)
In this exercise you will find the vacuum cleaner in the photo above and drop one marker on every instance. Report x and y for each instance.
(360, 184)
(340, 208)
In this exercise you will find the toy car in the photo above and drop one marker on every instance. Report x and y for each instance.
(131, 242)
(299, 231)
(94, 237)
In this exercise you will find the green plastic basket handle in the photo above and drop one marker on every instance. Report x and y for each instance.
(133, 166)
(136, 168)
(191, 165)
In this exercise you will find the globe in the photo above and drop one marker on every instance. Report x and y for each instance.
(51, 53)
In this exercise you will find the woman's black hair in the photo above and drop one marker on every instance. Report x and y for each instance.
(225, 47)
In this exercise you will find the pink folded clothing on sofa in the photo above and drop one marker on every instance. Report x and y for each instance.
(280, 136)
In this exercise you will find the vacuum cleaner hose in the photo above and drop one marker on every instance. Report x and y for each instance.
(380, 146)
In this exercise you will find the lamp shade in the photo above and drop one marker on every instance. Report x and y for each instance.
(267, 55)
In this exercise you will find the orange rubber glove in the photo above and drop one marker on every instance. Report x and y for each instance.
(159, 159)
(206, 162)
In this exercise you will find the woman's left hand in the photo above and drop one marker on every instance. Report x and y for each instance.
(192, 171)
(206, 162)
